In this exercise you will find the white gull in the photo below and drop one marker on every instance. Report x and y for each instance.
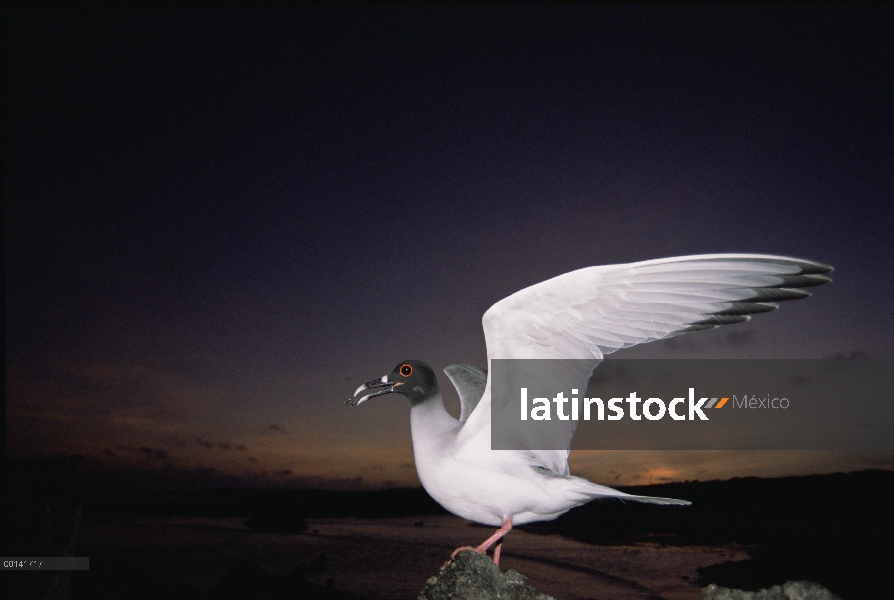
(584, 314)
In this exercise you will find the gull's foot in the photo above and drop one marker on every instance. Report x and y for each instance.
(496, 538)
(463, 549)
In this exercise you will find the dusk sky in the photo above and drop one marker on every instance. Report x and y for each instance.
(220, 222)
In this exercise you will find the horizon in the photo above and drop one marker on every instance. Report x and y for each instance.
(96, 477)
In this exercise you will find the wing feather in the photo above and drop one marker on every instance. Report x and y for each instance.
(595, 311)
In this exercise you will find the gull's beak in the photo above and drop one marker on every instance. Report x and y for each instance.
(374, 384)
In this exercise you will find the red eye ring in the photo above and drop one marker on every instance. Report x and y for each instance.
(405, 370)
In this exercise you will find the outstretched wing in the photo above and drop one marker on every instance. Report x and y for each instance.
(592, 312)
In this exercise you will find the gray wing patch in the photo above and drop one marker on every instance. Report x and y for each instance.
(469, 381)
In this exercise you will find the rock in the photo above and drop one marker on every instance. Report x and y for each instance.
(472, 576)
(790, 590)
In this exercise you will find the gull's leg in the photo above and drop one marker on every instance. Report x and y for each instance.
(496, 538)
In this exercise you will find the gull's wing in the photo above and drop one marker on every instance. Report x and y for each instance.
(592, 312)
(469, 382)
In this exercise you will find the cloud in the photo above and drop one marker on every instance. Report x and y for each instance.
(146, 451)
(275, 427)
(113, 477)
(154, 453)
(856, 354)
(221, 445)
(63, 405)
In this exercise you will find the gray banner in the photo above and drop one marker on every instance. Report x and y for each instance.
(668, 404)
(46, 563)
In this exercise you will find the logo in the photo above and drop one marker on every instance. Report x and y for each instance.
(653, 409)
(679, 404)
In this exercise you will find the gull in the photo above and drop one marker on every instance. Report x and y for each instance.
(584, 314)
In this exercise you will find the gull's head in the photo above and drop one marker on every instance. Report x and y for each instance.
(412, 378)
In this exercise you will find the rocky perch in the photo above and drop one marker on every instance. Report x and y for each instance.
(790, 590)
(474, 576)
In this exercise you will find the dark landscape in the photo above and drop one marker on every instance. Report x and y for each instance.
(834, 529)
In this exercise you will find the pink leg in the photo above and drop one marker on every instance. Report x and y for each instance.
(496, 538)
(497, 552)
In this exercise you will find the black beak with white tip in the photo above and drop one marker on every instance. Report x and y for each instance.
(371, 385)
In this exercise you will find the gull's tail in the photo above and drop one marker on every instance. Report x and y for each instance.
(654, 500)
(594, 491)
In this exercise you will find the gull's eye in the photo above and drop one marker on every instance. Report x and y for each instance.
(406, 370)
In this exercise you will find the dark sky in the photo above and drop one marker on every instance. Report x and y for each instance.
(220, 222)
